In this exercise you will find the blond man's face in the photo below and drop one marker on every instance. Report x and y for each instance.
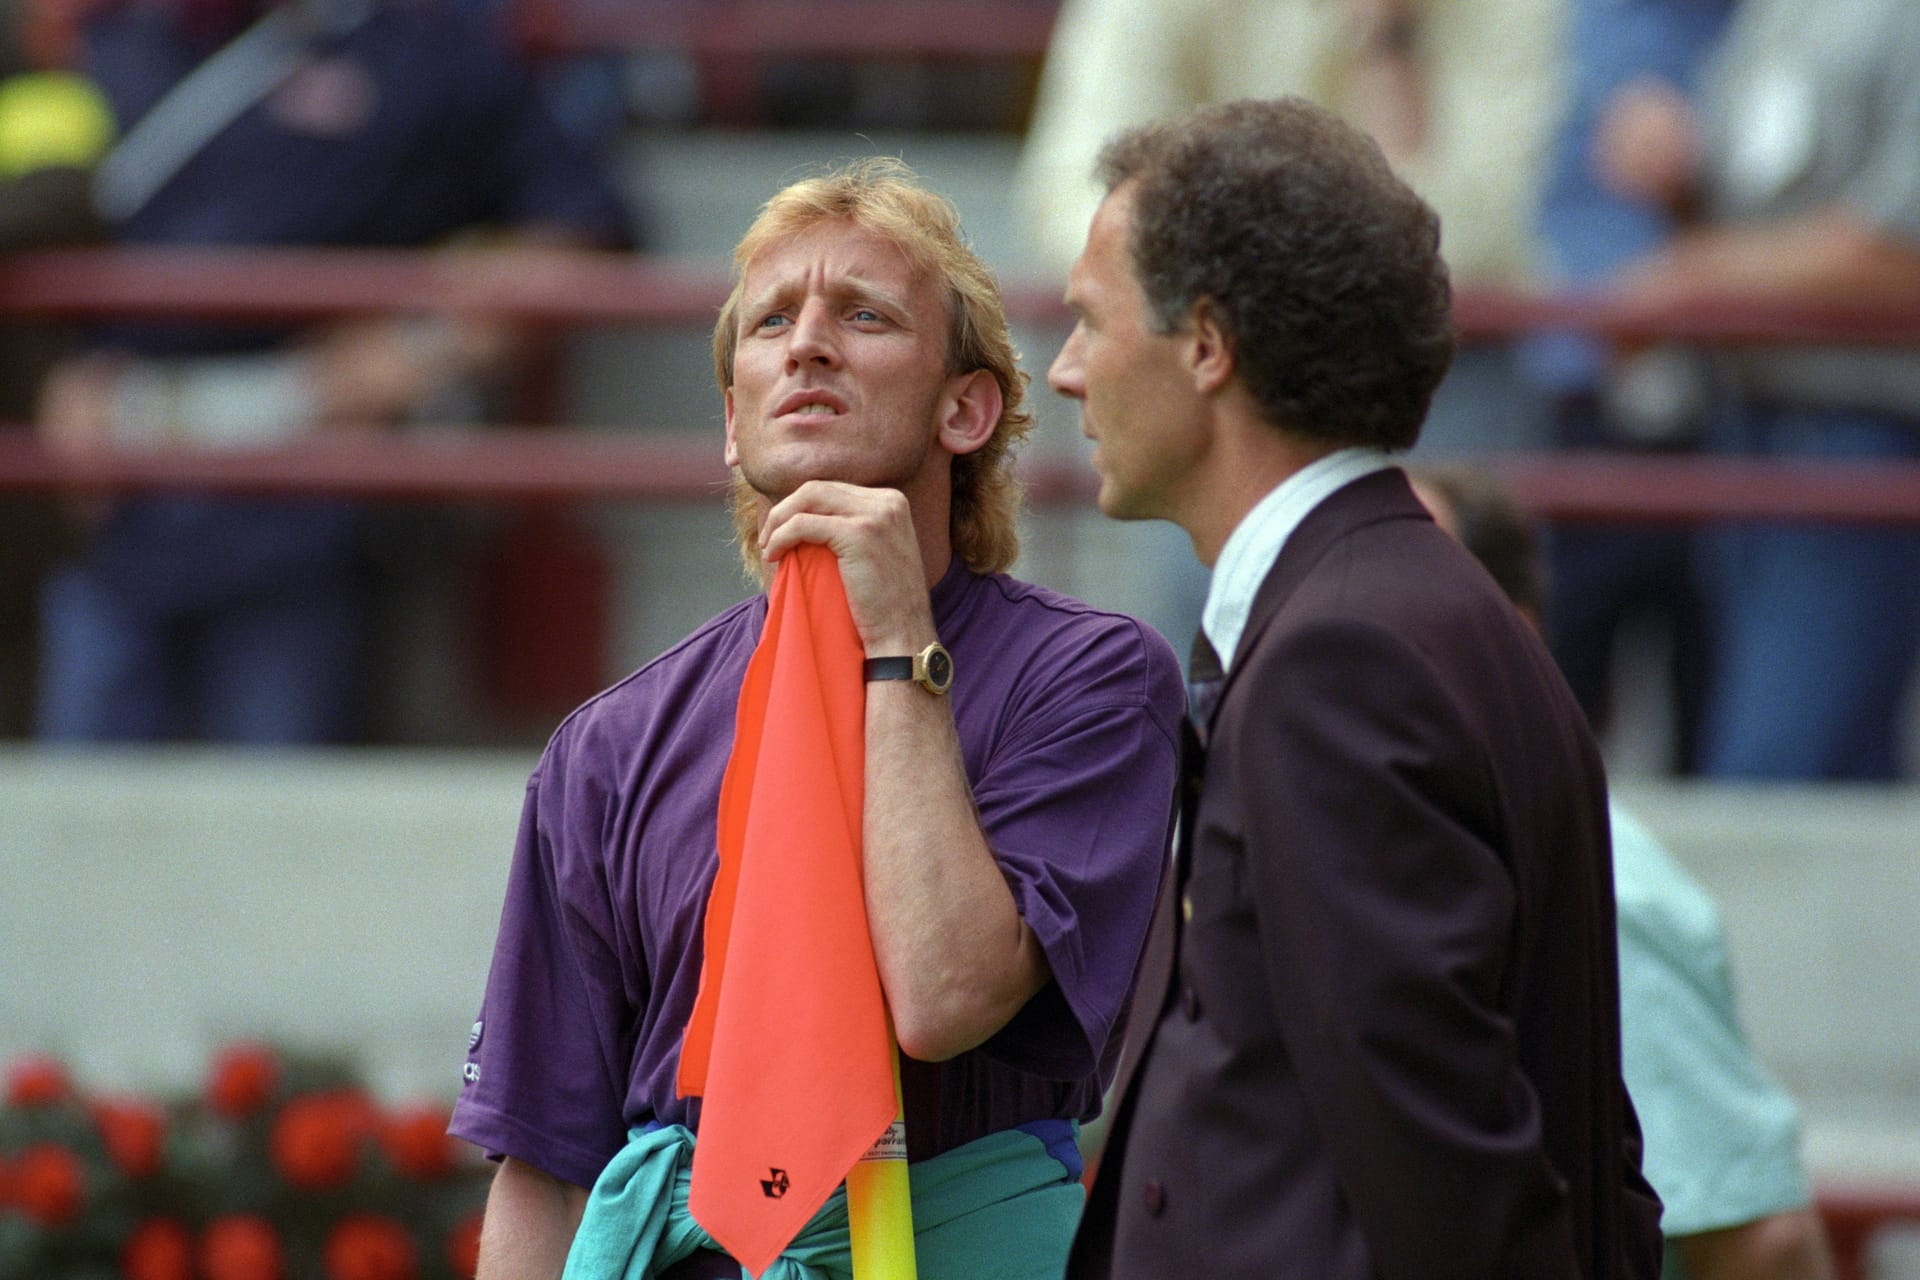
(839, 368)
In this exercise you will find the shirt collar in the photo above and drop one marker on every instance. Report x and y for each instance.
(1256, 541)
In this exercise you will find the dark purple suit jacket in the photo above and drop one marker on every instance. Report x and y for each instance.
(1389, 1041)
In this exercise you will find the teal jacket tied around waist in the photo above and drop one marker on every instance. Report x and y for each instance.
(999, 1208)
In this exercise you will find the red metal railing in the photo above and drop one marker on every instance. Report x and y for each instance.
(958, 30)
(1854, 1218)
(531, 465)
(559, 291)
(250, 285)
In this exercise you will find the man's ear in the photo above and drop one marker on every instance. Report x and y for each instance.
(733, 448)
(1209, 351)
(969, 411)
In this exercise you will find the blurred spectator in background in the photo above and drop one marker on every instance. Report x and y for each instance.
(1722, 1138)
(1606, 580)
(53, 126)
(585, 91)
(1803, 164)
(365, 123)
(1460, 95)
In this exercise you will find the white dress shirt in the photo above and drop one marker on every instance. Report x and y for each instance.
(1255, 542)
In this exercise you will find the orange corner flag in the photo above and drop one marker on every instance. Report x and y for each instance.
(789, 1045)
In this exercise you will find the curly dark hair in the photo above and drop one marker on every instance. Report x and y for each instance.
(1323, 265)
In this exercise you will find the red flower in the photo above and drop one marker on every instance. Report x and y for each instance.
(48, 1184)
(316, 1139)
(242, 1079)
(6, 1183)
(415, 1139)
(134, 1133)
(158, 1249)
(463, 1247)
(365, 1246)
(36, 1080)
(241, 1247)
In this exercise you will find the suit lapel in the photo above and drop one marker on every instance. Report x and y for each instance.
(1376, 496)
(1380, 495)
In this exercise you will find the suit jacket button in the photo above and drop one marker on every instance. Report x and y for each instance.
(1155, 1197)
(1190, 1003)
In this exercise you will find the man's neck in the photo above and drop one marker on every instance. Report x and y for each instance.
(936, 546)
(931, 502)
(1254, 460)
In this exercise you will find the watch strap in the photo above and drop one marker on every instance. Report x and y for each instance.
(887, 668)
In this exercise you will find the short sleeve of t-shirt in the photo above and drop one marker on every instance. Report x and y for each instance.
(1075, 799)
(555, 990)
(1722, 1138)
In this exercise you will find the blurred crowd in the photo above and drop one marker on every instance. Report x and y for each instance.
(1661, 152)
(335, 123)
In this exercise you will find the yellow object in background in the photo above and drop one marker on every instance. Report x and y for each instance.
(51, 119)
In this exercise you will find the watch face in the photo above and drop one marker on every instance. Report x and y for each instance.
(939, 669)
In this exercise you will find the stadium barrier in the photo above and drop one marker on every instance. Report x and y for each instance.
(578, 291)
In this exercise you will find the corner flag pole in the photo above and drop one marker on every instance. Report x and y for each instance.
(880, 1202)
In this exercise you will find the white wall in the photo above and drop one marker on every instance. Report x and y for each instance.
(1819, 888)
(153, 904)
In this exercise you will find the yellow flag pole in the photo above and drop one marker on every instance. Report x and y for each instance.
(880, 1195)
(880, 1202)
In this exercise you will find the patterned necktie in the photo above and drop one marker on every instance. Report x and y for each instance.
(1204, 678)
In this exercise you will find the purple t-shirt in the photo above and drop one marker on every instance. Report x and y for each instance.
(1067, 718)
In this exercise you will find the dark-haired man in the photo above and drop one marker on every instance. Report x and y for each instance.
(1389, 1045)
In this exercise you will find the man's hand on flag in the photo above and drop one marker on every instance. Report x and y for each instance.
(871, 534)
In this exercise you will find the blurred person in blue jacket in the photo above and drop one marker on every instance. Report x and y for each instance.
(1606, 580)
(329, 123)
(1800, 165)
(1722, 1137)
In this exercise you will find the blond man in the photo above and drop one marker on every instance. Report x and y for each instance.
(1019, 776)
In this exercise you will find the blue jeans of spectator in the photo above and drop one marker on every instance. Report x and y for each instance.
(1603, 579)
(277, 666)
(1818, 624)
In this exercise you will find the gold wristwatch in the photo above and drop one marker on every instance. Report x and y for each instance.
(931, 668)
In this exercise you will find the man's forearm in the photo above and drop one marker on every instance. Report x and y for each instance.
(1781, 1246)
(530, 1223)
(955, 957)
(1830, 256)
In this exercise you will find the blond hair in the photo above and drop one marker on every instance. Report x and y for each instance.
(882, 195)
